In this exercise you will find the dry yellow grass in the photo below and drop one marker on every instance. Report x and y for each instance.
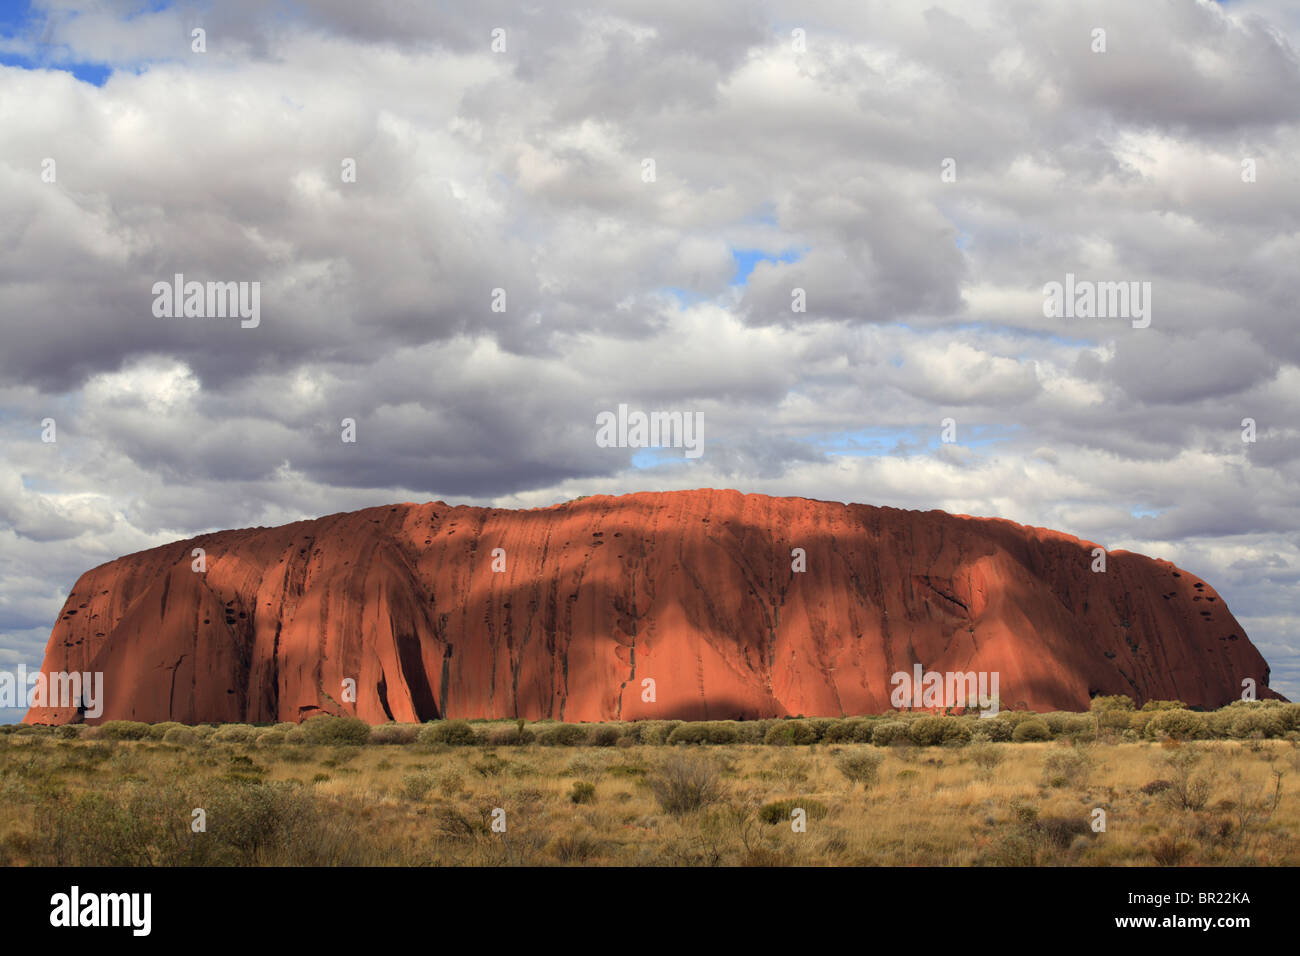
(98, 802)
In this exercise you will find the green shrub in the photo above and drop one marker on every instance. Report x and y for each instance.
(860, 766)
(935, 731)
(159, 731)
(582, 792)
(563, 735)
(1079, 725)
(1114, 702)
(1115, 713)
(958, 732)
(510, 737)
(778, 811)
(821, 726)
(927, 731)
(1258, 722)
(69, 731)
(394, 734)
(1164, 705)
(1178, 724)
(1067, 768)
(456, 733)
(723, 732)
(1015, 718)
(180, 736)
(690, 733)
(993, 729)
(1218, 723)
(603, 736)
(753, 731)
(416, 786)
(787, 733)
(329, 729)
(887, 732)
(1031, 730)
(270, 737)
(1137, 720)
(1056, 721)
(704, 732)
(123, 730)
(850, 730)
(653, 732)
(233, 733)
(1290, 716)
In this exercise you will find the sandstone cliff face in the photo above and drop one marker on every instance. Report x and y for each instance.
(692, 589)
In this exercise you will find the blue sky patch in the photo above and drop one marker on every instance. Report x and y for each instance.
(747, 259)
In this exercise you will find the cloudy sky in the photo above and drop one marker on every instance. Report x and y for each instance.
(782, 160)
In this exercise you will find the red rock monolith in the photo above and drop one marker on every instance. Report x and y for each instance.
(693, 590)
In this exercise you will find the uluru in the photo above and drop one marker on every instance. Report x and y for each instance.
(691, 605)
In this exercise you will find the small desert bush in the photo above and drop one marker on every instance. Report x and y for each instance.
(993, 729)
(564, 735)
(986, 756)
(1258, 722)
(684, 783)
(787, 733)
(860, 766)
(779, 811)
(232, 734)
(416, 786)
(510, 737)
(1178, 724)
(578, 847)
(582, 792)
(394, 734)
(456, 733)
(704, 732)
(1031, 730)
(887, 732)
(1187, 789)
(1170, 849)
(329, 729)
(1056, 722)
(1067, 768)
(159, 731)
(122, 730)
(927, 731)
(1061, 832)
(853, 730)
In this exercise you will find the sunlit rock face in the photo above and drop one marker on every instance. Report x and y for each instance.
(683, 604)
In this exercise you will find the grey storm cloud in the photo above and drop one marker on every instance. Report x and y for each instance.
(776, 167)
